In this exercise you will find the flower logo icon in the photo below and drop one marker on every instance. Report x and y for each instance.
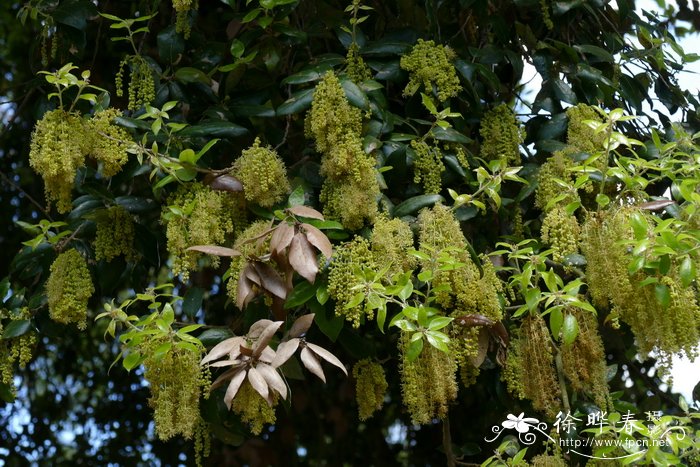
(521, 423)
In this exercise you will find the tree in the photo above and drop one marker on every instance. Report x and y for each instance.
(282, 231)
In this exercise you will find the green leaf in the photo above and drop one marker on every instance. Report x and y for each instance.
(189, 328)
(132, 360)
(415, 204)
(331, 325)
(450, 135)
(414, 349)
(639, 225)
(602, 200)
(218, 129)
(300, 294)
(6, 393)
(564, 92)
(299, 102)
(355, 95)
(356, 299)
(439, 322)
(192, 301)
(170, 44)
(16, 328)
(663, 295)
(381, 317)
(556, 319)
(438, 340)
(308, 75)
(406, 291)
(211, 337)
(569, 329)
(322, 294)
(687, 271)
(161, 350)
(192, 75)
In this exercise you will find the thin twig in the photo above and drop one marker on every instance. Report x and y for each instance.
(447, 442)
(29, 197)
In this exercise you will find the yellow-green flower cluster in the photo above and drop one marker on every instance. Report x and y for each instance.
(370, 387)
(357, 69)
(428, 383)
(253, 409)
(580, 138)
(341, 278)
(58, 149)
(16, 349)
(556, 168)
(202, 442)
(530, 370)
(109, 142)
(182, 9)
(561, 231)
(464, 346)
(263, 175)
(60, 143)
(176, 381)
(142, 87)
(546, 16)
(548, 460)
(502, 135)
(666, 330)
(431, 65)
(392, 239)
(579, 134)
(584, 360)
(114, 235)
(428, 166)
(68, 289)
(252, 242)
(468, 290)
(198, 215)
(350, 190)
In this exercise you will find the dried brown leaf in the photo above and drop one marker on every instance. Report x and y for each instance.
(327, 356)
(656, 205)
(273, 379)
(284, 352)
(270, 280)
(318, 239)
(305, 211)
(301, 325)
(245, 292)
(258, 382)
(312, 363)
(265, 337)
(222, 363)
(474, 320)
(215, 250)
(258, 327)
(222, 348)
(302, 258)
(267, 355)
(251, 273)
(483, 348)
(233, 387)
(281, 237)
(225, 376)
(224, 183)
(501, 333)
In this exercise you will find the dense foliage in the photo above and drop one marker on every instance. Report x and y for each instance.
(322, 232)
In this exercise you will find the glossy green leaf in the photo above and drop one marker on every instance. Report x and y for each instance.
(192, 301)
(569, 329)
(415, 204)
(16, 328)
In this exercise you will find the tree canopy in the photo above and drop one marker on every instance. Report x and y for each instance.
(298, 232)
